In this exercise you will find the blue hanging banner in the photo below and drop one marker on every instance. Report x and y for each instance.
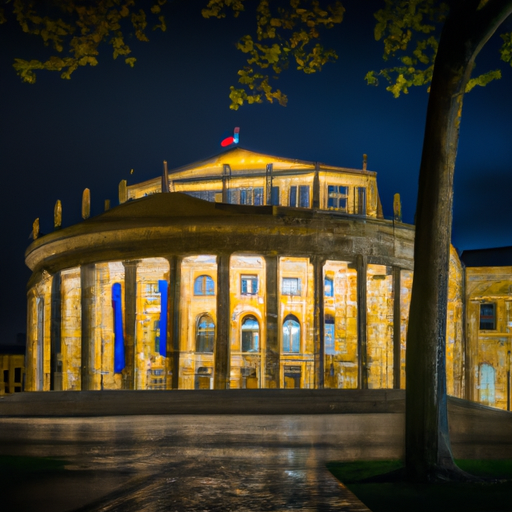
(117, 305)
(162, 288)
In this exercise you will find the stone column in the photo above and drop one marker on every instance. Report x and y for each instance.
(130, 307)
(471, 366)
(361, 266)
(319, 321)
(222, 342)
(396, 328)
(87, 281)
(316, 187)
(40, 343)
(272, 369)
(173, 323)
(55, 335)
(31, 340)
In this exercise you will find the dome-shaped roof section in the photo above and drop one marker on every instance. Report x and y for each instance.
(171, 204)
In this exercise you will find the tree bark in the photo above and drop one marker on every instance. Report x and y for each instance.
(467, 29)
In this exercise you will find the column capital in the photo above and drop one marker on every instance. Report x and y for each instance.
(223, 254)
(318, 259)
(131, 263)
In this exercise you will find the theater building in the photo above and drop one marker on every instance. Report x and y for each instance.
(244, 270)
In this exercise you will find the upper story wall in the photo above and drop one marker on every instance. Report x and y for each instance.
(239, 176)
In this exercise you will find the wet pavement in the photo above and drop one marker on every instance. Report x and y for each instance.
(185, 462)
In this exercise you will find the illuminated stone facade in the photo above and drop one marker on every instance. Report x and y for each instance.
(252, 272)
(488, 297)
(12, 369)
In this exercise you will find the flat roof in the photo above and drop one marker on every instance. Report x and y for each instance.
(495, 257)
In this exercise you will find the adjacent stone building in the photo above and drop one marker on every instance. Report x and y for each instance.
(244, 270)
(12, 368)
(488, 299)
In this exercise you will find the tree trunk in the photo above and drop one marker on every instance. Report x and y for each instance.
(467, 29)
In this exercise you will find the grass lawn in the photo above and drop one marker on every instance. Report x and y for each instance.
(452, 497)
(14, 469)
(12, 464)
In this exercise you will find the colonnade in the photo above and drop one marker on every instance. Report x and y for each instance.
(71, 324)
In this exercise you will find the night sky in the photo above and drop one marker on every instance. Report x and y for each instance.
(58, 136)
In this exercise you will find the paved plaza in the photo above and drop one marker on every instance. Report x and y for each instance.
(244, 450)
(181, 462)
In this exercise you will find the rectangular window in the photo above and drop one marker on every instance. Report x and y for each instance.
(249, 285)
(361, 201)
(152, 292)
(253, 196)
(290, 286)
(246, 196)
(337, 197)
(293, 197)
(258, 196)
(275, 196)
(156, 331)
(234, 196)
(304, 196)
(329, 339)
(328, 287)
(488, 317)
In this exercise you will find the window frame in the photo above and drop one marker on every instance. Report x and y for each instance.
(304, 196)
(328, 287)
(486, 317)
(291, 319)
(337, 198)
(291, 291)
(255, 340)
(253, 280)
(275, 196)
(329, 335)
(292, 199)
(487, 384)
(207, 288)
(207, 334)
(361, 200)
(258, 196)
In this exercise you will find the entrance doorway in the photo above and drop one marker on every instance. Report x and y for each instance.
(292, 377)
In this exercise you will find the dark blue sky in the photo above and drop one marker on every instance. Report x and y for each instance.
(58, 137)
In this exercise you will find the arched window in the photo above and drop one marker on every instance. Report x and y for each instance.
(205, 334)
(250, 334)
(487, 384)
(204, 285)
(291, 334)
(329, 335)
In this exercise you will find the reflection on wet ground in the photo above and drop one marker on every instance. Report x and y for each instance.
(175, 463)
